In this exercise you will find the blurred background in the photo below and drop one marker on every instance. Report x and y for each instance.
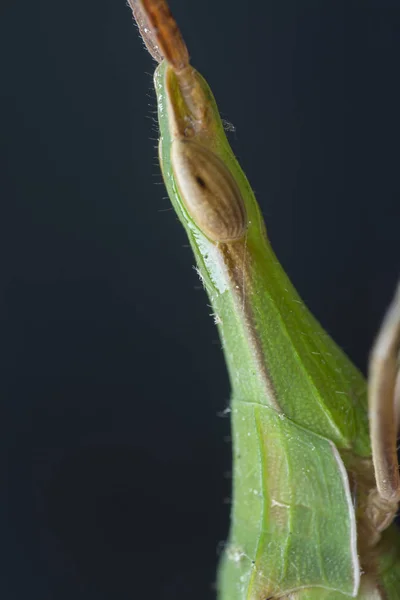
(116, 458)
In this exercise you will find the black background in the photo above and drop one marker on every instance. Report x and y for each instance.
(111, 371)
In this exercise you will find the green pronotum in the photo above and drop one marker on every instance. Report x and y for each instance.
(307, 519)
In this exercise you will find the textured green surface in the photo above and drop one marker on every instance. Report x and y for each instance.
(316, 384)
(298, 402)
(291, 521)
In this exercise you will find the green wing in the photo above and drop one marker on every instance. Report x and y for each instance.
(292, 521)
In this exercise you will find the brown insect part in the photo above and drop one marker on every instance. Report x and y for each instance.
(209, 192)
(160, 32)
(383, 395)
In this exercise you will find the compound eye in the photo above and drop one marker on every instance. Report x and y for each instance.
(209, 192)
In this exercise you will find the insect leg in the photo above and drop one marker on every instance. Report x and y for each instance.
(384, 401)
(397, 399)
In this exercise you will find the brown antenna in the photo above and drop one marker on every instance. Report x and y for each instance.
(160, 32)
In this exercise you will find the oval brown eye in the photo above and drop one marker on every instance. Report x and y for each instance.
(209, 192)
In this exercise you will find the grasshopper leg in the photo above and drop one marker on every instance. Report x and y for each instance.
(384, 404)
(397, 401)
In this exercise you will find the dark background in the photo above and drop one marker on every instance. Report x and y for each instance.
(112, 377)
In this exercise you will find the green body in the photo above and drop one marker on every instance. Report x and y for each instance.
(299, 419)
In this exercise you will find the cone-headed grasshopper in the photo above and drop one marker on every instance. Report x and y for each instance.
(315, 481)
